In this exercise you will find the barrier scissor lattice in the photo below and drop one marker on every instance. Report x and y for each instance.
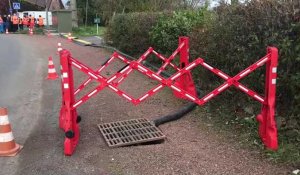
(181, 83)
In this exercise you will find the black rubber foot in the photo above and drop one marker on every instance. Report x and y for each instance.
(70, 134)
(78, 120)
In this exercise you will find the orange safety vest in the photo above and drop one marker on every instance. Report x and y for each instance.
(15, 20)
(25, 20)
(32, 20)
(41, 21)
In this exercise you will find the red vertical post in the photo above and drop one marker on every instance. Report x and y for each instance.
(267, 124)
(185, 81)
(68, 118)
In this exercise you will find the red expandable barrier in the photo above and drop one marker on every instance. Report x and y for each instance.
(180, 82)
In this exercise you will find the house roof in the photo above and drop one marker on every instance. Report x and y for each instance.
(53, 4)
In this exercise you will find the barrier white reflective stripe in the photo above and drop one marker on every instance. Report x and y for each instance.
(65, 75)
(77, 91)
(59, 49)
(89, 80)
(124, 95)
(161, 57)
(223, 87)
(190, 66)
(78, 103)
(192, 98)
(121, 79)
(6, 137)
(92, 93)
(157, 77)
(92, 75)
(177, 75)
(59, 44)
(181, 46)
(4, 120)
(208, 66)
(51, 71)
(122, 58)
(66, 85)
(259, 98)
(142, 68)
(76, 65)
(222, 75)
(112, 79)
(244, 73)
(124, 69)
(145, 96)
(156, 89)
(274, 69)
(178, 90)
(129, 71)
(208, 97)
(101, 68)
(173, 55)
(273, 81)
(146, 53)
(172, 64)
(262, 61)
(243, 88)
(110, 86)
(50, 62)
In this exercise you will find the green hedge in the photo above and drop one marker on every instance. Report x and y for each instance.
(169, 26)
(241, 33)
(130, 32)
(230, 37)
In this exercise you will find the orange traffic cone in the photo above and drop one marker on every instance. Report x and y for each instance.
(8, 146)
(69, 37)
(6, 31)
(59, 48)
(48, 33)
(31, 32)
(52, 75)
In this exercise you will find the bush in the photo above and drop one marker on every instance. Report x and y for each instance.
(239, 36)
(130, 32)
(164, 35)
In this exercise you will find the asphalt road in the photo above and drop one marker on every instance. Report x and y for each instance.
(33, 104)
(20, 79)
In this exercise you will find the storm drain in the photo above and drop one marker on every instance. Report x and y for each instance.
(130, 132)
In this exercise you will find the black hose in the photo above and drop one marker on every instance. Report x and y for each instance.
(175, 115)
(167, 118)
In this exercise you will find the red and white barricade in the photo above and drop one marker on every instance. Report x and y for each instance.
(181, 83)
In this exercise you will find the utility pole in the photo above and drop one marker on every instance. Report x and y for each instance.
(86, 7)
(73, 7)
(47, 12)
(9, 5)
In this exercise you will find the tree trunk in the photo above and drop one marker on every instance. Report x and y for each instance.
(73, 7)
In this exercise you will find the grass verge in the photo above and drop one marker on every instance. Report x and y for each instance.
(242, 128)
(88, 31)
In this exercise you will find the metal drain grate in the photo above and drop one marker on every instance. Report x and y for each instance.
(129, 132)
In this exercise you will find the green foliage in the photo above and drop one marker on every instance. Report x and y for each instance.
(130, 32)
(88, 31)
(238, 37)
(165, 34)
(231, 37)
